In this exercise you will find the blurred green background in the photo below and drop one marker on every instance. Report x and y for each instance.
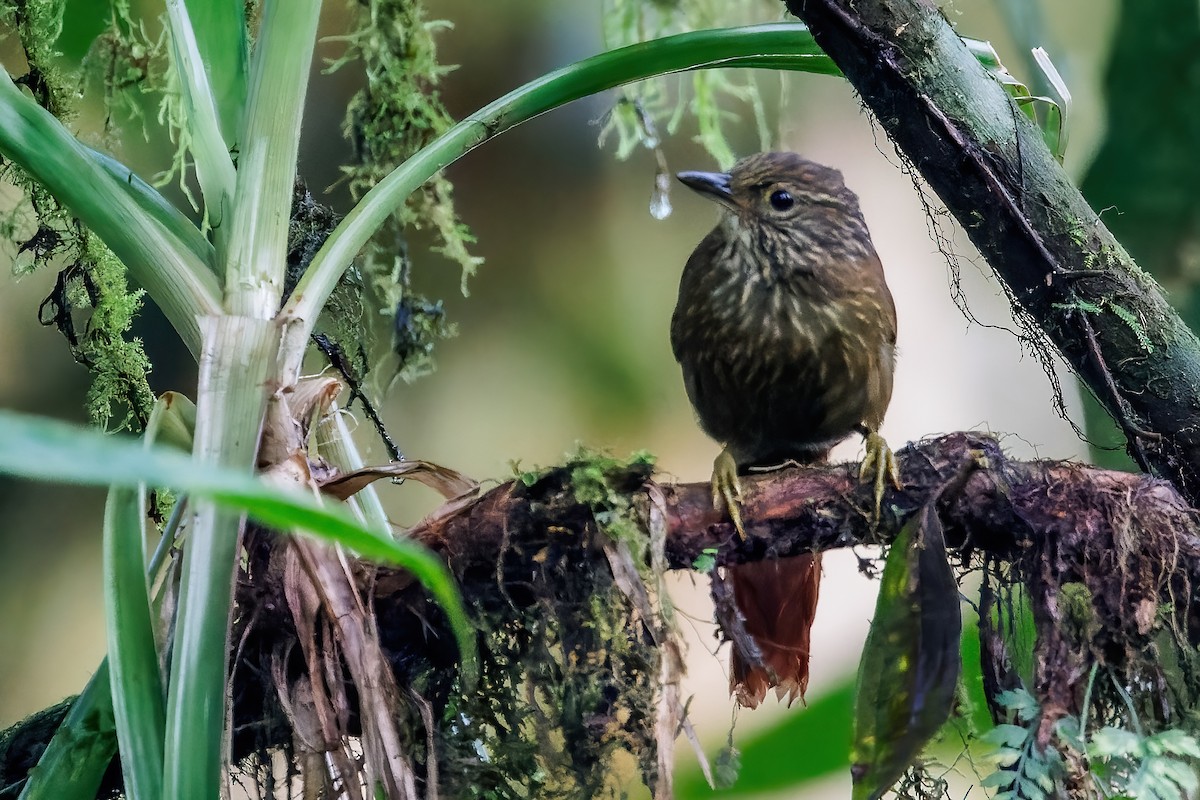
(564, 336)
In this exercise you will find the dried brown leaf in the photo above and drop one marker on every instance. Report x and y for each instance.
(449, 483)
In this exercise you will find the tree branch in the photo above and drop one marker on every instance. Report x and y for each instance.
(1002, 509)
(1063, 267)
(1069, 519)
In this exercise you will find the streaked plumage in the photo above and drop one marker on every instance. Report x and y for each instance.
(786, 333)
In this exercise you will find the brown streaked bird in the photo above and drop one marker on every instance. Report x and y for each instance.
(786, 334)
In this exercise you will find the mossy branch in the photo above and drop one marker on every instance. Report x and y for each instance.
(1005, 510)
(1003, 506)
(988, 164)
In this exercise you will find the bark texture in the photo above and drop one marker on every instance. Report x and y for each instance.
(1064, 270)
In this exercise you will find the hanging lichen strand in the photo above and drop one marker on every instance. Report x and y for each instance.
(91, 303)
(569, 669)
(642, 107)
(394, 115)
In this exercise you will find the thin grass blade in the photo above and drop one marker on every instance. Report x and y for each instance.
(137, 690)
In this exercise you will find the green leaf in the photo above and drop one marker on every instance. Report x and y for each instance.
(1109, 741)
(201, 126)
(1004, 757)
(706, 560)
(1006, 735)
(1020, 702)
(133, 658)
(155, 249)
(81, 750)
(910, 664)
(34, 447)
(1176, 742)
(769, 761)
(223, 39)
(973, 702)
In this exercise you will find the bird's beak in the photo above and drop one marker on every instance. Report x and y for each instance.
(713, 184)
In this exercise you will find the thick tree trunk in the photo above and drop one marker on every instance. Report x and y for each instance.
(1064, 270)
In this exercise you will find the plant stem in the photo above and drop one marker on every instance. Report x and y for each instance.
(257, 256)
(239, 353)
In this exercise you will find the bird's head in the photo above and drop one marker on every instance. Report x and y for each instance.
(787, 211)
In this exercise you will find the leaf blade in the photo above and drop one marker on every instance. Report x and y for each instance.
(910, 665)
(34, 447)
(136, 684)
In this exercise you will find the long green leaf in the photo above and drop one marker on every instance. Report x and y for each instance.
(133, 658)
(148, 199)
(210, 153)
(81, 750)
(223, 40)
(38, 448)
(178, 281)
(785, 46)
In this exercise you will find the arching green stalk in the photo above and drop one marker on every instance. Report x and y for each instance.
(787, 46)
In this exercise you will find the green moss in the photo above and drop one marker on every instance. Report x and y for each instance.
(1078, 614)
(119, 364)
(641, 108)
(568, 668)
(706, 562)
(398, 112)
(38, 24)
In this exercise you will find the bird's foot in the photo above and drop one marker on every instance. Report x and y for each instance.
(727, 489)
(878, 466)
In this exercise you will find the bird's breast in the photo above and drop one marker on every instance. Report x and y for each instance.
(774, 373)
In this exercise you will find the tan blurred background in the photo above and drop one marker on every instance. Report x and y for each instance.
(564, 337)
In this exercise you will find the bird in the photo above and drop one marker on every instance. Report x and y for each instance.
(785, 332)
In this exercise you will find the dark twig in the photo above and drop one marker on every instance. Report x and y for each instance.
(337, 359)
(1133, 433)
(732, 622)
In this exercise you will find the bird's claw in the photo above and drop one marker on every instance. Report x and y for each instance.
(727, 489)
(879, 466)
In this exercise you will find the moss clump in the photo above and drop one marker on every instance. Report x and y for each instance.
(568, 667)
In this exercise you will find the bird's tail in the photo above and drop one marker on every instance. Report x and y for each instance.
(778, 599)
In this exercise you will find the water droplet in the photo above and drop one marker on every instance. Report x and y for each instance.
(660, 201)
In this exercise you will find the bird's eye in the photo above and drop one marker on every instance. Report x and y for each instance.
(781, 200)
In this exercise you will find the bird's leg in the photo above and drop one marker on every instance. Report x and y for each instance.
(878, 466)
(727, 489)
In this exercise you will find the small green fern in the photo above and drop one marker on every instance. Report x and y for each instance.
(1024, 771)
